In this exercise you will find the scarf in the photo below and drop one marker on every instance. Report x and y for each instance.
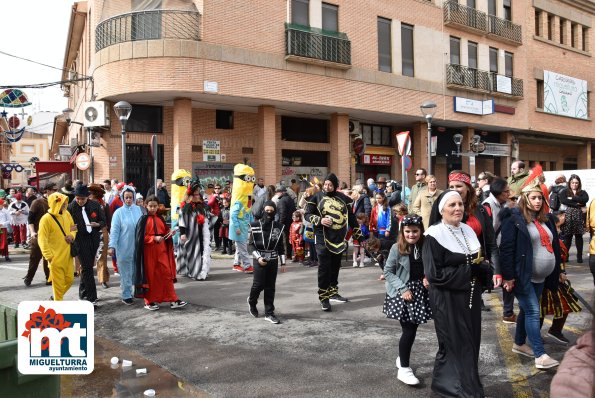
(545, 239)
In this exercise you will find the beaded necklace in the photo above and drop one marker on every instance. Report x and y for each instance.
(468, 257)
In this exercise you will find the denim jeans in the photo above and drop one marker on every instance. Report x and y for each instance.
(527, 322)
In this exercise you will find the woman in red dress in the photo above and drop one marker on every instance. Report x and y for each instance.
(154, 260)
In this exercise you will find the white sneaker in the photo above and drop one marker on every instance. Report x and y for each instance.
(406, 376)
(366, 259)
(361, 265)
(355, 264)
(398, 362)
(545, 362)
(523, 350)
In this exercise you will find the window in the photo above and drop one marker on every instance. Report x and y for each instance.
(376, 135)
(304, 129)
(471, 3)
(330, 17)
(550, 27)
(407, 49)
(146, 25)
(145, 119)
(455, 50)
(493, 60)
(507, 10)
(27, 148)
(491, 7)
(472, 51)
(585, 39)
(306, 158)
(508, 64)
(384, 45)
(573, 34)
(562, 28)
(537, 23)
(300, 12)
(224, 120)
(540, 94)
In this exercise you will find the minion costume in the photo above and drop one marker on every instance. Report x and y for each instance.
(239, 213)
(53, 244)
(122, 239)
(180, 181)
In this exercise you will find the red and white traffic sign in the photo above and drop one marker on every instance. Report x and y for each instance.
(403, 142)
(83, 161)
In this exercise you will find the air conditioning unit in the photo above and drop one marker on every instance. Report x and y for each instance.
(74, 142)
(354, 128)
(96, 114)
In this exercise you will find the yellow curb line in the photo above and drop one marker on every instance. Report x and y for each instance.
(520, 386)
(574, 330)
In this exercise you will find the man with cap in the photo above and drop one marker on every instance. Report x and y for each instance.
(285, 209)
(38, 208)
(330, 213)
(90, 220)
(268, 252)
(381, 184)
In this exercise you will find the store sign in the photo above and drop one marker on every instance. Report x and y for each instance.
(377, 160)
(564, 95)
(503, 84)
(475, 107)
(211, 151)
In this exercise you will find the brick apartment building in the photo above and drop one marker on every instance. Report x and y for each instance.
(287, 86)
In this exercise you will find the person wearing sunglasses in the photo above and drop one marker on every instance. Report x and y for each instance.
(407, 298)
(420, 183)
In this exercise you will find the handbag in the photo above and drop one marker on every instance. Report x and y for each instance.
(309, 234)
(74, 246)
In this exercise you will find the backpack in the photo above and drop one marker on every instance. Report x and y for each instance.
(554, 200)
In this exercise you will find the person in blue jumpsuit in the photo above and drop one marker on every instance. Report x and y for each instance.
(122, 240)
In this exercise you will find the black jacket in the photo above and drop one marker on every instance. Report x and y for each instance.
(363, 205)
(92, 208)
(285, 209)
(570, 200)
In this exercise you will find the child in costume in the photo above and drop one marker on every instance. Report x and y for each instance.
(154, 260)
(224, 230)
(296, 237)
(358, 249)
(240, 215)
(4, 224)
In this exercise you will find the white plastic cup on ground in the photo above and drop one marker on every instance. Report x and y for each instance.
(149, 393)
(126, 362)
(115, 360)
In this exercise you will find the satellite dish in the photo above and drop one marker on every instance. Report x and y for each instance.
(91, 114)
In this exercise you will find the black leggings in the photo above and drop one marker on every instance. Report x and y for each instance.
(592, 266)
(406, 342)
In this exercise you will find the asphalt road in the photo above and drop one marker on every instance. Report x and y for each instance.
(215, 347)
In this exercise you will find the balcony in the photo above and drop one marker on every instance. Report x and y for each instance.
(465, 18)
(505, 30)
(148, 25)
(459, 76)
(316, 46)
(513, 87)
(469, 78)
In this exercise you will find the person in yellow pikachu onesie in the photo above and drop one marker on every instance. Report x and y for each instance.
(55, 244)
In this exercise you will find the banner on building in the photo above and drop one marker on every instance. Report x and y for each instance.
(475, 107)
(564, 95)
(211, 151)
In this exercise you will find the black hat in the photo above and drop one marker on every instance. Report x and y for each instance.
(270, 203)
(81, 190)
(50, 185)
(333, 179)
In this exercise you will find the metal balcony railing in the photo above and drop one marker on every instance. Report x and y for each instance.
(505, 29)
(463, 76)
(461, 15)
(148, 25)
(303, 41)
(516, 85)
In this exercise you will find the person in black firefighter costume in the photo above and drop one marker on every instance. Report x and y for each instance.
(266, 246)
(330, 213)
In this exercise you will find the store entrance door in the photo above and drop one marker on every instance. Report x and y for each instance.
(139, 166)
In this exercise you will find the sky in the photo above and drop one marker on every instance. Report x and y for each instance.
(39, 29)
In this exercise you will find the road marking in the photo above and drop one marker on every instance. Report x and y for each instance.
(11, 267)
(516, 370)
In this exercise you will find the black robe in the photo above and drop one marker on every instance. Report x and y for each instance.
(458, 328)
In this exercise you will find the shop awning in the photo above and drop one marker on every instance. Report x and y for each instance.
(48, 167)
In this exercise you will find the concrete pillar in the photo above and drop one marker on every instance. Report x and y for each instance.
(578, 39)
(542, 20)
(464, 52)
(269, 149)
(584, 156)
(567, 33)
(340, 155)
(182, 137)
(556, 30)
(506, 162)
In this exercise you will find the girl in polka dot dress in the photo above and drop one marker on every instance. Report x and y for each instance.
(406, 290)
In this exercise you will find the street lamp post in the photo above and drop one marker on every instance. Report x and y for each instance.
(123, 110)
(428, 109)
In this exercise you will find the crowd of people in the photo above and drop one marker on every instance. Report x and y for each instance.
(439, 245)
